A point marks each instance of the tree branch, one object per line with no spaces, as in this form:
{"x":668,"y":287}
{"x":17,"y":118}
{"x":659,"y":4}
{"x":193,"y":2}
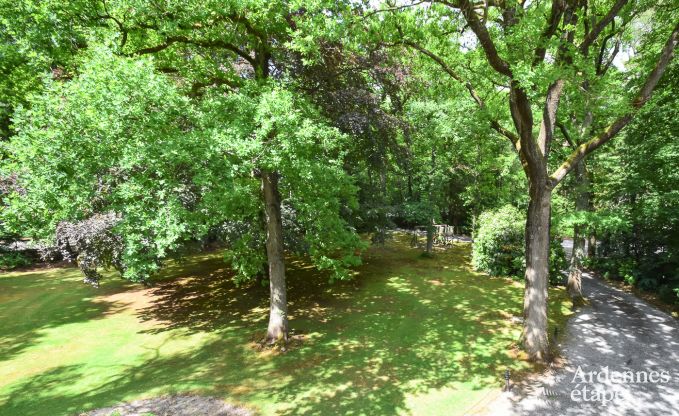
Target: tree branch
{"x":479,"y":29}
{"x":566,"y":134}
{"x":394,"y":8}
{"x":600,"y":25}
{"x":198,"y":86}
{"x":549,"y":116}
{"x":169,"y":41}
{"x":555,"y":89}
{"x":470,"y":88}
{"x":614,"y":128}
{"x":522,"y":115}
{"x":248,"y":26}
{"x":601,"y":70}
{"x":121,"y":27}
{"x":549,"y":30}
{"x":602,"y":51}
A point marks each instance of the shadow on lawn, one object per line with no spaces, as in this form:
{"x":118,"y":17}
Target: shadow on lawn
{"x":37,"y":300}
{"x":418,"y":333}
{"x":47,"y":393}
{"x":402,"y":327}
{"x":205,"y":298}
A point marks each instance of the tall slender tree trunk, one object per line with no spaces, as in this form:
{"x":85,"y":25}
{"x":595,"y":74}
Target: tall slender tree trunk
{"x":574,"y":284}
{"x":278,"y":314}
{"x":591,"y":245}
{"x":534,"y":335}
{"x":430,"y":240}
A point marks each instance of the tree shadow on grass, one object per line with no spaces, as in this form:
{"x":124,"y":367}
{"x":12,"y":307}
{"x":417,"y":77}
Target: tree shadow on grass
{"x":204,"y":298}
{"x":414,"y":334}
{"x":58,"y":391}
{"x":33,"y":301}
{"x":404,"y":327}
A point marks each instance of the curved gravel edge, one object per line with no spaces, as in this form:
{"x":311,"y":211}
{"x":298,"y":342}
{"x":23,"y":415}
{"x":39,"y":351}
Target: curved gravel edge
{"x":179,"y":405}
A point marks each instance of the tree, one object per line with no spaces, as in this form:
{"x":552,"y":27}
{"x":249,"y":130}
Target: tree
{"x":276,"y":131}
{"x":513,"y":41}
{"x":581,"y":110}
{"x":117,"y":143}
{"x":236,"y":41}
{"x":34,"y":39}
{"x":637,"y":202}
{"x":228,"y":57}
{"x":239,"y":43}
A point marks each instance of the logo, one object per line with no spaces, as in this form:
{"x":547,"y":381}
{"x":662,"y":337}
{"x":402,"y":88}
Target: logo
{"x":600,"y":386}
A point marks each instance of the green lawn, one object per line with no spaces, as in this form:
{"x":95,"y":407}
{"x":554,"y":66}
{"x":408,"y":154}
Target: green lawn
{"x":407,"y":335}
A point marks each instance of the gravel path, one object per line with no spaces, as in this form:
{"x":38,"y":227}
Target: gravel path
{"x":638,"y":344}
{"x":173,"y":406}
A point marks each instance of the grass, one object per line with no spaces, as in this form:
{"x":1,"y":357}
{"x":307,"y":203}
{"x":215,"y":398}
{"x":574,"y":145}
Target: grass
{"x":408,"y":335}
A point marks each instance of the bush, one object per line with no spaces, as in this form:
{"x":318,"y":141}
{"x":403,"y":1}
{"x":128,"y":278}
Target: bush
{"x":557,"y":262}
{"x":92,"y":243}
{"x":499,"y":243}
{"x":499,"y":246}
{"x":656,"y":272}
{"x":12,"y":260}
{"x":668,"y":295}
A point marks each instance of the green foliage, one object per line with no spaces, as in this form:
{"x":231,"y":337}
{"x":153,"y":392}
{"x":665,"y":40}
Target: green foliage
{"x":118,"y":138}
{"x":419,"y":213}
{"x":35,"y":37}
{"x":499,"y":246}
{"x":270,"y":128}
{"x":668,"y":294}
{"x":362,"y":136}
{"x":557,"y":261}
{"x":636,"y":190}
{"x":499,"y":242}
{"x":11,"y":260}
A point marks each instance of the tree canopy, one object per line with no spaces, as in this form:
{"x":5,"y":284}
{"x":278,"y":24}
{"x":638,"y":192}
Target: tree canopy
{"x":134,"y":130}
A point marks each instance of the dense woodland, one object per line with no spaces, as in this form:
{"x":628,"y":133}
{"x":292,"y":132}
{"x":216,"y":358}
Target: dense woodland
{"x":134,"y":132}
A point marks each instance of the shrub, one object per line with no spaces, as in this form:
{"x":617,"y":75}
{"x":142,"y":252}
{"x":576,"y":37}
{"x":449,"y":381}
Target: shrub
{"x":668,"y":295}
{"x":91,"y":243}
{"x":499,"y":246}
{"x":557,"y":262}
{"x":12,"y":260}
{"x":499,"y":243}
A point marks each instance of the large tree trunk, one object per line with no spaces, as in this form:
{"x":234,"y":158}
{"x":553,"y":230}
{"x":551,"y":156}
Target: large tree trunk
{"x":581,"y":205}
{"x":278,"y":314}
{"x":534,"y":335}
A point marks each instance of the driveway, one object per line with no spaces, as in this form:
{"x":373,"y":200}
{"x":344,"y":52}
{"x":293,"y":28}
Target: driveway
{"x":622,"y":358}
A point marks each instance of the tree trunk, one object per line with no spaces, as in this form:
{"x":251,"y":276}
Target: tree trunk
{"x":581,"y":205}
{"x":591,"y":245}
{"x":534,"y":335}
{"x":430,"y":240}
{"x":574,"y":284}
{"x":278,"y":314}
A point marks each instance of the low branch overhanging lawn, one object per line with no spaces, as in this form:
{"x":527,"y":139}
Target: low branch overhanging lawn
{"x":406,"y":335}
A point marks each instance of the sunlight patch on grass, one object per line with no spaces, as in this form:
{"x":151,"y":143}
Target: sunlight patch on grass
{"x":436,"y":402}
{"x":408,"y":335}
